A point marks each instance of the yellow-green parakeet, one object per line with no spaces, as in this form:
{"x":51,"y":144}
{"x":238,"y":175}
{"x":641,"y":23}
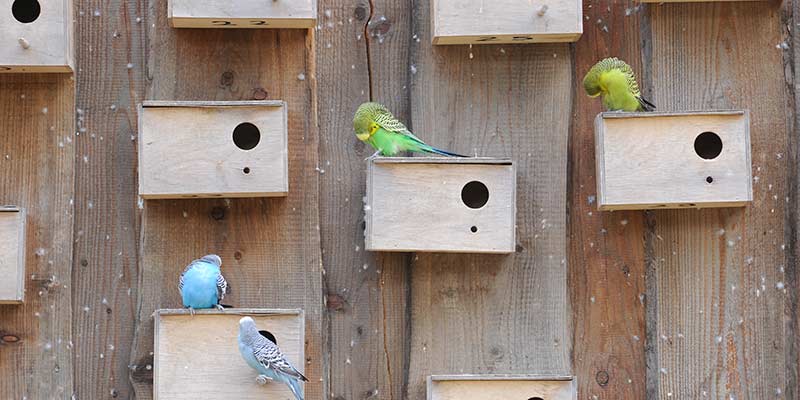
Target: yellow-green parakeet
{"x":614,"y":80}
{"x":374,"y":124}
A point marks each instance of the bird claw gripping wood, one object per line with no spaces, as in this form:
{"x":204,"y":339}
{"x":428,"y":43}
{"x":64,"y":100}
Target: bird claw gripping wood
{"x":263,"y":380}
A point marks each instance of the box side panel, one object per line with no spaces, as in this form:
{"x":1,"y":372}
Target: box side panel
{"x":187,"y":345}
{"x":187,"y":152}
{"x":404,"y":220}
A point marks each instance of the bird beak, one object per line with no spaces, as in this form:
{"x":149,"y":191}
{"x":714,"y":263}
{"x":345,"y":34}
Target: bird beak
{"x":362,"y":136}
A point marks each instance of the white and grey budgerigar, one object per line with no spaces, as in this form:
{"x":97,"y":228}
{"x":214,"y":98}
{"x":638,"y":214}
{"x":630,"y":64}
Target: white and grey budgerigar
{"x":202,"y":284}
{"x":265,"y":357}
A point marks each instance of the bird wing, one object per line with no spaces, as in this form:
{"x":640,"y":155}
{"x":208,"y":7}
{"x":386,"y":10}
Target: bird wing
{"x":270,"y":356}
{"x":222,"y":287}
{"x":388,"y":121}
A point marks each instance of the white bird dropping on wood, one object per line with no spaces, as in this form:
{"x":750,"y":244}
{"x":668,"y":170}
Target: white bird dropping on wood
{"x":542,"y":11}
{"x":24,"y":43}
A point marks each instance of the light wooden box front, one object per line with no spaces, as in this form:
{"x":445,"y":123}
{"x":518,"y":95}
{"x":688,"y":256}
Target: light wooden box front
{"x":506,"y":21}
{"x":648,"y":160}
{"x":243,"y":13}
{"x":197,"y":357}
{"x":12,"y":254}
{"x":501,"y":387}
{"x":415,"y":204}
{"x":48,"y":36}
{"x":186,"y":149}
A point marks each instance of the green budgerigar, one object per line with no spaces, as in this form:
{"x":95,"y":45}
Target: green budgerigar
{"x":613,"y":79}
{"x":375,"y":124}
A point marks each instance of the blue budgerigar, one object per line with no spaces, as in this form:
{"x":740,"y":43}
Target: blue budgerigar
{"x":202,"y":284}
{"x":264,"y":356}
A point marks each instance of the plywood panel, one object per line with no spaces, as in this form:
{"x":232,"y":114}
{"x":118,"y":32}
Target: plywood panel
{"x":36,"y":41}
{"x":486,"y":313}
{"x":506,"y":21}
{"x":719,"y":273}
{"x":269,"y":246}
{"x":36,"y":172}
{"x":213,"y":149}
{"x":699,"y":159}
{"x":606,"y":253}
{"x":186,"y":345}
{"x":242,"y":13}
{"x":12,"y":254}
{"x":395,"y":210}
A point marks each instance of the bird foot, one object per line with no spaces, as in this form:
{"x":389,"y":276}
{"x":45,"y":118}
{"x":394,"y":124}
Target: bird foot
{"x":263,"y":380}
{"x":191,"y":311}
{"x":373,"y":156}
{"x":220,"y":307}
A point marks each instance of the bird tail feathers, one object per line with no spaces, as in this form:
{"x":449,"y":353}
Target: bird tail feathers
{"x":434,"y":150}
{"x":295,"y":388}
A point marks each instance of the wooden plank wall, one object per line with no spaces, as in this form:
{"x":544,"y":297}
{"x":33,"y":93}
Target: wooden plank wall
{"x":657,"y":305}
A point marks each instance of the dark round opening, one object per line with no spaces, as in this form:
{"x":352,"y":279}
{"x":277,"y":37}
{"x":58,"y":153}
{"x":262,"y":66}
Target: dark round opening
{"x":709,"y":179}
{"x":473,"y":229}
{"x":26,"y":11}
{"x":269,"y":336}
{"x":708,"y":145}
{"x":246,"y":136}
{"x":475,"y":194}
{"x":246,"y":170}
{"x":536,"y":398}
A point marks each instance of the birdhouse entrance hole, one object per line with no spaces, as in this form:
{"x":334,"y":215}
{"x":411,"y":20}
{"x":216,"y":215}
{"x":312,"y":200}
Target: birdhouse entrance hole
{"x":708,"y":145}
{"x":269,"y":336}
{"x":246,"y":136}
{"x":26,"y":11}
{"x":475,"y":195}
{"x":536,"y":398}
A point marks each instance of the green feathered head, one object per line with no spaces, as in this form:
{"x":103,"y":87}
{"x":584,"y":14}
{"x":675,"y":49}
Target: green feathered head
{"x":365,"y":117}
{"x":593,"y":81}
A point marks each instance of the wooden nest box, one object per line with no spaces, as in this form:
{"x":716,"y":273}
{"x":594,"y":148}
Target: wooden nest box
{"x":435,"y":204}
{"x":506,"y":21}
{"x":252,"y":14}
{"x":213,"y":149}
{"x":501,"y":387}
{"x":197,"y":357}
{"x":12,"y":254}
{"x":673,"y":160}
{"x":36,"y":36}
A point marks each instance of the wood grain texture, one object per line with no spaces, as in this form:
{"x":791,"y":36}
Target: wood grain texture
{"x":651,"y":160}
{"x":197,"y":356}
{"x":191,"y":150}
{"x":43,"y":45}
{"x":791,"y":15}
{"x":398,"y":219}
{"x":270,"y":247}
{"x":12,"y":254}
{"x":367,"y":293}
{"x":242,"y":13}
{"x":720,"y":273}
{"x":500,"y":387}
{"x":606,"y":252}
{"x":505,"y":21}
{"x":484,"y":314}
{"x":110,"y":79}
{"x":36,"y":172}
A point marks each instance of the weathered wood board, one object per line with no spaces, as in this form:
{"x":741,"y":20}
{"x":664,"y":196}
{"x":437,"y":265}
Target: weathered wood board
{"x":501,"y":387}
{"x":37,"y":160}
{"x":186,"y":345}
{"x":37,"y":36}
{"x":253,"y":14}
{"x":718,"y":290}
{"x":12,"y":254}
{"x":506,"y":21}
{"x":469,"y":206}
{"x":269,"y":246}
{"x":213,"y":149}
{"x":484,"y":314}
{"x":673,"y":160}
